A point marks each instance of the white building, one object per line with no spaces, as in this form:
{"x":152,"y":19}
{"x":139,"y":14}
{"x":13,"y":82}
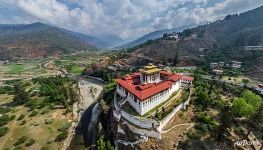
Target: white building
{"x":259,"y":88}
{"x":149,"y":88}
{"x":213,"y":65}
{"x":221,"y":64}
{"x":236,"y":64}
{"x":173,"y":36}
{"x":217,"y":71}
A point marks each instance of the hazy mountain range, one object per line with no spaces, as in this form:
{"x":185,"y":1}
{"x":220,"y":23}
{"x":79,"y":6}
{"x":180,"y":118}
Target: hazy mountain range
{"x":38,"y":39}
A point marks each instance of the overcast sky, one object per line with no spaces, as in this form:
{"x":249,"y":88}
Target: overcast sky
{"x":126,"y":19}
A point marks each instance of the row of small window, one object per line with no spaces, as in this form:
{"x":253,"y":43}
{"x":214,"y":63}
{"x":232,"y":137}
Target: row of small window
{"x":151,"y":77}
{"x":154,"y":98}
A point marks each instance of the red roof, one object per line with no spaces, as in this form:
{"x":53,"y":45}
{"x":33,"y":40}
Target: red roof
{"x":144,"y":91}
{"x":260,"y":85}
{"x":188,"y":78}
{"x":166,"y":73}
{"x":148,"y":90}
{"x":175,"y":77}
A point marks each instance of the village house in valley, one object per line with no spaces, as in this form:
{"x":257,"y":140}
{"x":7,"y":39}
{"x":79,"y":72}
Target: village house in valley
{"x":150,"y":87}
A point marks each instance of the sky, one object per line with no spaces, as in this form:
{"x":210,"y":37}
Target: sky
{"x":124,"y":19}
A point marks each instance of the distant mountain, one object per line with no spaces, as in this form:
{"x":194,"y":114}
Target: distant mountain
{"x":153,"y":35}
{"x":111,"y":40}
{"x":38,"y":40}
{"x":222,"y":40}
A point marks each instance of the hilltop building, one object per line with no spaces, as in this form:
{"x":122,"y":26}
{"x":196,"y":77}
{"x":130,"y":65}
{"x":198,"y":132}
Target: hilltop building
{"x":173,"y":36}
{"x":259,"y":88}
{"x":150,"y":87}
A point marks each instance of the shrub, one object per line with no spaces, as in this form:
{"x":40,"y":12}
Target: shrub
{"x":4,"y":110}
{"x":30,"y":142}
{"x":34,"y":113}
{"x":3,"y":131}
{"x":20,"y":141}
{"x":18,"y":148}
{"x":201,"y":127}
{"x":22,"y":116}
{"x":64,"y":127}
{"x":204,"y":118}
{"x":192,"y":135}
{"x":4,"y":120}
{"x":45,"y":110}
{"x":23,"y":122}
{"x":44,"y":148}
{"x":12,"y":117}
{"x":6,"y":89}
{"x":48,"y":121}
{"x":62,"y":136}
{"x":31,"y":103}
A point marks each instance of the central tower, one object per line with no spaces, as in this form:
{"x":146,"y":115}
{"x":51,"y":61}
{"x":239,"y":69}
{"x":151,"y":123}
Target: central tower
{"x":150,"y":74}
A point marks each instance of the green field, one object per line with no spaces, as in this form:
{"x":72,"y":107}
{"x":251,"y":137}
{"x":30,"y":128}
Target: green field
{"x":28,"y":67}
{"x":75,"y":64}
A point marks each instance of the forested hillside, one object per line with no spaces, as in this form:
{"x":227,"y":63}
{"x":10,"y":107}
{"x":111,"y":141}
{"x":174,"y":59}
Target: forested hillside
{"x":223,"y":40}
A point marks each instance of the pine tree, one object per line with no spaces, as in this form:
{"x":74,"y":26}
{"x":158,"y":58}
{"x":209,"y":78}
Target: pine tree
{"x":21,"y":96}
{"x":256,"y":119}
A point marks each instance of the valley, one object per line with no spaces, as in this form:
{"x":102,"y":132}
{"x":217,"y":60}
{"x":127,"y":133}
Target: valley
{"x":197,"y":86}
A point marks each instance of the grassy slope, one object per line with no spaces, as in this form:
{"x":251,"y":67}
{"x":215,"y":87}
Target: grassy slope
{"x":41,"y":133}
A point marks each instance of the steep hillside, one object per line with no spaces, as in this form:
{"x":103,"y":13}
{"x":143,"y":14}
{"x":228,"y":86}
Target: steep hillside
{"x":222,"y":40}
{"x":153,"y":35}
{"x":37,"y":40}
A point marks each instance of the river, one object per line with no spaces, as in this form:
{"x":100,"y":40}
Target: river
{"x":86,"y":130}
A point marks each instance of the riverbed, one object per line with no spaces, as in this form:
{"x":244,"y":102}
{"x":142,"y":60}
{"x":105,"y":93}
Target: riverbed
{"x":90,"y":91}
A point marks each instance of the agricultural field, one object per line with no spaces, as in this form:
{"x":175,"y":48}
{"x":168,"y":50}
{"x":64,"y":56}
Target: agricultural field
{"x":75,"y":64}
{"x":17,"y":67}
{"x":24,"y":69}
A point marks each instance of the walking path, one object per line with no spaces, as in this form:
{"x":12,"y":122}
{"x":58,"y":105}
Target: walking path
{"x":177,"y":125}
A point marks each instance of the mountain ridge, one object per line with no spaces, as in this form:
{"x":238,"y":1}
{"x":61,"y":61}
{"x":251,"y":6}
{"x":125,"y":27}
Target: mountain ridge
{"x":39,"y":40}
{"x":152,"y":35}
{"x":222,"y":40}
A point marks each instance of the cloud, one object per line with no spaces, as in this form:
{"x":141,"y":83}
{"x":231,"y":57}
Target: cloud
{"x":126,"y":19}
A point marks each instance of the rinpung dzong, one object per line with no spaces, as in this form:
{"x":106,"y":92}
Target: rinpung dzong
{"x":150,"y":87}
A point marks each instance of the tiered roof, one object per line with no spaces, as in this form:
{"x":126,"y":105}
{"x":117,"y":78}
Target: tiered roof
{"x":150,"y":69}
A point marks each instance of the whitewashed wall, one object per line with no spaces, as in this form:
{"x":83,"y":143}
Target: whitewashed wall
{"x":169,"y":117}
{"x":154,"y":101}
{"x":145,"y":123}
{"x":121,"y":91}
